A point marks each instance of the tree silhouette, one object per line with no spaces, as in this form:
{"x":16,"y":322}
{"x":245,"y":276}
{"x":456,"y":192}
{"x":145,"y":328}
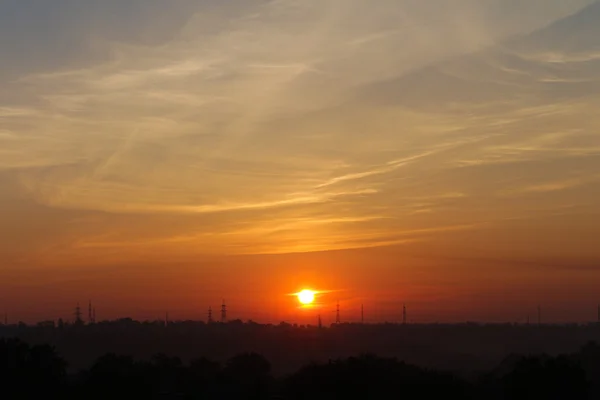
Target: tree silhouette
{"x":26,"y":371}
{"x":589,"y":359}
{"x":112,"y":374}
{"x":368,"y":377}
{"x":202,"y":378}
{"x":546,"y":378}
{"x":247,"y":376}
{"x":30,"y":372}
{"x":166,"y":374}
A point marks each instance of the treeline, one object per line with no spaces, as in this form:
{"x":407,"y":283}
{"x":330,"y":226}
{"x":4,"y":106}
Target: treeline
{"x":28,"y":372}
{"x":462,"y":348}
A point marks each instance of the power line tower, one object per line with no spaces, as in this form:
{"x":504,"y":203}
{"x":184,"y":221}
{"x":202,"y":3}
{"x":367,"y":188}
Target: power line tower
{"x":223,"y":312}
{"x":210,"y":318}
{"x":362,"y":313}
{"x":78,"y":319}
{"x":337,"y":314}
{"x":404,"y":314}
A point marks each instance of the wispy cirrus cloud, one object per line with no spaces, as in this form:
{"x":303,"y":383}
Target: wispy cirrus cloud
{"x":558,"y":185}
{"x":268,"y":108}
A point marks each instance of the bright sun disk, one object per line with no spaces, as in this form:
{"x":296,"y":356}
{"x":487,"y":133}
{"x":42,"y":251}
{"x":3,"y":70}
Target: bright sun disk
{"x":306,"y":296}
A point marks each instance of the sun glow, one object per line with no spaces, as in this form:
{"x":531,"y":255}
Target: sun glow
{"x":306,"y":297}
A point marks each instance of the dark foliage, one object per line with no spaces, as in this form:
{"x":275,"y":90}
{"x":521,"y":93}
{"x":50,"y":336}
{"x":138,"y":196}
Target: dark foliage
{"x":546,"y":378}
{"x":31,"y":372}
{"x":370,"y":377}
{"x":26,"y":371}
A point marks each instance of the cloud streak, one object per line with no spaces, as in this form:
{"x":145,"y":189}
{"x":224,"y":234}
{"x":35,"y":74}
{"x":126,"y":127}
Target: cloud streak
{"x":333,"y":124}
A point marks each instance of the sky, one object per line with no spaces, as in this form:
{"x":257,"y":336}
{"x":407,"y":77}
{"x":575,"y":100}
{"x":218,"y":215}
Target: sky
{"x":162,"y":157}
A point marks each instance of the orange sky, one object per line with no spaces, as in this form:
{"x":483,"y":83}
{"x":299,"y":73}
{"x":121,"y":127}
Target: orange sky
{"x":159,"y":158}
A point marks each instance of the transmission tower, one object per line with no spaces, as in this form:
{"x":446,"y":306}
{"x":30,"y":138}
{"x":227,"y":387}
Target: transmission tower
{"x":362,"y":313}
{"x":78,"y":319}
{"x":337,"y":314}
{"x":223,"y":312}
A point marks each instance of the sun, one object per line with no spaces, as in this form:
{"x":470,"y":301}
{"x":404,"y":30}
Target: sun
{"x":306,"y":297}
